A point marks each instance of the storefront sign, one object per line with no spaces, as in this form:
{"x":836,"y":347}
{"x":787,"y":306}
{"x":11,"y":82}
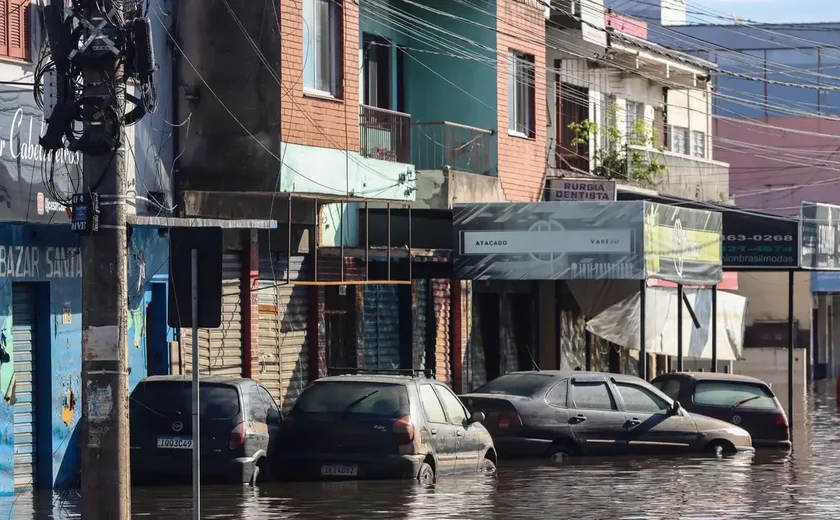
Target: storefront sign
{"x":759,"y":241}
{"x":549,"y":241}
{"x":580,"y":190}
{"x":683,"y":245}
{"x":820,"y":236}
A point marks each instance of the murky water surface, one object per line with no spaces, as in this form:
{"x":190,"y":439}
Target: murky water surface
{"x":768,"y":485}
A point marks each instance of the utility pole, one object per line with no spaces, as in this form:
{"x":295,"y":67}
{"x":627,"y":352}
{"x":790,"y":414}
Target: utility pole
{"x":105,"y":427}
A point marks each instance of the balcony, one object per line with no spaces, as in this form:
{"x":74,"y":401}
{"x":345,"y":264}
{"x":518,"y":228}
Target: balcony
{"x":441,"y":145}
{"x":384,"y":134}
{"x":689,"y":177}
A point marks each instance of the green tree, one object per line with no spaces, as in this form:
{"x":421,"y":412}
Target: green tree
{"x":618,"y":161}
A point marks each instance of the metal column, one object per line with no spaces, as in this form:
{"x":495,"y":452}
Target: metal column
{"x":680,"y":327}
{"x":642,"y":318}
{"x":714,"y":328}
{"x":790,"y":352}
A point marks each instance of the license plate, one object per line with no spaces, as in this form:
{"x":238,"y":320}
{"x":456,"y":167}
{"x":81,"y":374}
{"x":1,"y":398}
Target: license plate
{"x":340,"y":470}
{"x":175,"y":443}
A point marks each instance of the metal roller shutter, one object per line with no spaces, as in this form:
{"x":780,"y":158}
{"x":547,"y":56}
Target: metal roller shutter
{"x":284,"y":342}
{"x":220,"y":350}
{"x":420,"y":306}
{"x":441,"y":302}
{"x":23,"y":336}
{"x":382,"y":326}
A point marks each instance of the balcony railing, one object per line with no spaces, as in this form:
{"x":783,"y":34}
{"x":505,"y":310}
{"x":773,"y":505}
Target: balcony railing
{"x":460,"y":147}
{"x":686,"y":176}
{"x":384,"y":134}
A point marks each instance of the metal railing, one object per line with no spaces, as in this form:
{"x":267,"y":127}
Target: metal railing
{"x":443,"y":144}
{"x":384,"y":134}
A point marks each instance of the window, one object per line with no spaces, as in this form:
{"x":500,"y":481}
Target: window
{"x":731,"y":393}
{"x":457,"y":412}
{"x":521,"y":94}
{"x":679,"y":140}
{"x":322,"y":46}
{"x":356,"y":398}
{"x":698,"y":144}
{"x":273,"y":410}
{"x":669,"y":387}
{"x":557,"y":395}
{"x":641,"y":400}
{"x":257,"y":409}
{"x":15,"y":29}
{"x":376,"y":66}
{"x":635,"y":114}
{"x":524,"y":385}
{"x":592,"y":396}
{"x":175,"y":398}
{"x":431,"y":404}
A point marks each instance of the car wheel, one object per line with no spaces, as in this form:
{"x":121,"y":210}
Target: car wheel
{"x":720,"y":448}
{"x":426,"y":475}
{"x":488,"y":467}
{"x":559,"y":454}
{"x":255,"y":476}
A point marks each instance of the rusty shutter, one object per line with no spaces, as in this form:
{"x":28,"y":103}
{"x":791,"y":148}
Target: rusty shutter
{"x":441,"y":311}
{"x":220,"y":350}
{"x":283,"y":339}
{"x":420,"y":306}
{"x":382,"y":326}
{"x":17,"y":28}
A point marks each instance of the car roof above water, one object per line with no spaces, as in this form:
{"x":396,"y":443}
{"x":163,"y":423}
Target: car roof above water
{"x":213,"y":380}
{"x":715,"y":376}
{"x":371,"y":378}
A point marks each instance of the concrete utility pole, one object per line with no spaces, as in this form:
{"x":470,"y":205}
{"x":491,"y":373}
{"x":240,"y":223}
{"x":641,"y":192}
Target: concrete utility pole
{"x":105,"y":426}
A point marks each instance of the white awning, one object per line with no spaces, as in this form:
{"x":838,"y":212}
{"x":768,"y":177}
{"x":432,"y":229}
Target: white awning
{"x":619,"y":323}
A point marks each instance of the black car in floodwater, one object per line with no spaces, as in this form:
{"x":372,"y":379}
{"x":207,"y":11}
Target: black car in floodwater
{"x":382,"y":426}
{"x":742,"y":400}
{"x":239,"y":426}
{"x":561,"y":414}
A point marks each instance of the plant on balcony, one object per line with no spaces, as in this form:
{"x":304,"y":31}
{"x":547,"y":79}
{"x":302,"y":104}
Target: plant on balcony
{"x":617,"y":160}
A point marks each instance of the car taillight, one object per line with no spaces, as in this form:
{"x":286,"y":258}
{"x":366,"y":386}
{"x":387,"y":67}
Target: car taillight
{"x":237,"y":436}
{"x":781,"y":420}
{"x":509,"y":420}
{"x":403,"y":430}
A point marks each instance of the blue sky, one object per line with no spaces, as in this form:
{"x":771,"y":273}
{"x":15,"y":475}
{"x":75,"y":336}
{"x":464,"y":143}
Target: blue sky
{"x":770,"y":11}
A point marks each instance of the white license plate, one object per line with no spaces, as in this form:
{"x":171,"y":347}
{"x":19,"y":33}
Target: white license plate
{"x":175,"y":443}
{"x":340,"y":470}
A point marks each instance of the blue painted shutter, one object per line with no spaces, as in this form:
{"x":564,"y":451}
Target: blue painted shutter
{"x":23,"y":336}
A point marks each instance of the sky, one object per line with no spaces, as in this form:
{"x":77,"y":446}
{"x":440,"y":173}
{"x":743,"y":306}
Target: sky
{"x":769,"y":11}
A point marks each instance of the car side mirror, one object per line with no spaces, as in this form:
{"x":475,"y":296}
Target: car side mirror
{"x":676,"y":407}
{"x":476,"y":417}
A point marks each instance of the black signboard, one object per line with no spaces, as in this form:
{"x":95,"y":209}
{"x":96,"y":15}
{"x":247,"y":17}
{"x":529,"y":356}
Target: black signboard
{"x":208,"y":242}
{"x":820,"y":236}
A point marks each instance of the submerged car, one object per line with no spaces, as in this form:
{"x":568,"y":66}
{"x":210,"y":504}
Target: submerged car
{"x":742,"y":400}
{"x":239,"y":423}
{"x":382,"y":426}
{"x":562,"y":414}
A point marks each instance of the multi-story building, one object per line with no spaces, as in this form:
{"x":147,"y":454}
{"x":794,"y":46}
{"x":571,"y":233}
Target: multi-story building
{"x":40,"y":262}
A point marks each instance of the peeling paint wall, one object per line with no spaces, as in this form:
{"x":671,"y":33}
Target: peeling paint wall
{"x":49,"y":256}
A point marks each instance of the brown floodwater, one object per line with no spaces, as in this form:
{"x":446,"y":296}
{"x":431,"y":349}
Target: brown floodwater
{"x":803,"y":483}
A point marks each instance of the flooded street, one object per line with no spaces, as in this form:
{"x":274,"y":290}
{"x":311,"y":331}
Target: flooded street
{"x":802,"y":484}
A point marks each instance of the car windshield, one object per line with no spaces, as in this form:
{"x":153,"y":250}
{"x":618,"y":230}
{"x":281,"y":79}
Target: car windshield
{"x":734,"y":393}
{"x":174,"y":398}
{"x":524,"y":385}
{"x":354,"y":397}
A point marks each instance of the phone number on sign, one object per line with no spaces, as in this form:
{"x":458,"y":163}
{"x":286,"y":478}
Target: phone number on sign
{"x":758,"y":238}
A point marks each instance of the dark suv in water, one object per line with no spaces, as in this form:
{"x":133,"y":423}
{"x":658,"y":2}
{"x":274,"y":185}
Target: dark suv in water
{"x":239,"y":422}
{"x":382,"y":426}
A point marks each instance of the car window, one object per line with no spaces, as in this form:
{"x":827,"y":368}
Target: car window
{"x":524,"y":385}
{"x":175,"y":398}
{"x":431,"y":405}
{"x":557,"y":395}
{"x":641,"y":400}
{"x":456,"y":411}
{"x":669,"y":386}
{"x":592,"y":395}
{"x":354,"y":397}
{"x":271,"y":405}
{"x":257,"y":409}
{"x":730,"y":393}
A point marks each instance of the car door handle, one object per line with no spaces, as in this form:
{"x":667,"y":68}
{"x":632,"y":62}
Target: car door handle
{"x":577,"y":419}
{"x":459,"y":433}
{"x":633,"y":423}
{"x":434,"y":432}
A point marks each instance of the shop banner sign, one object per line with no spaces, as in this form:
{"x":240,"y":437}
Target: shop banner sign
{"x":549,"y":241}
{"x":818,"y":244}
{"x":759,"y":241}
{"x":580,"y":190}
{"x":683,"y":245}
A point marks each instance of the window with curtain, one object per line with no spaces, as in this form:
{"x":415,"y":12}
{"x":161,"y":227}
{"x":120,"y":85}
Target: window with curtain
{"x":322,"y":46}
{"x":521,"y":94}
{"x":698,"y":144}
{"x":679,"y":140}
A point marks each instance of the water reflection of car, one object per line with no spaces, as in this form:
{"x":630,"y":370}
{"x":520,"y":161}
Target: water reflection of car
{"x":382,"y":426}
{"x":561,"y":414}
{"x":239,"y":423}
{"x":737,"y":399}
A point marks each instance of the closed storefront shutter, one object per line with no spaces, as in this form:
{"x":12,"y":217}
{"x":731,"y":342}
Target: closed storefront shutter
{"x":23,"y":335}
{"x":220,"y":350}
{"x":420,"y":308}
{"x":283,"y":339}
{"x":381,"y":326}
{"x":441,"y":303}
